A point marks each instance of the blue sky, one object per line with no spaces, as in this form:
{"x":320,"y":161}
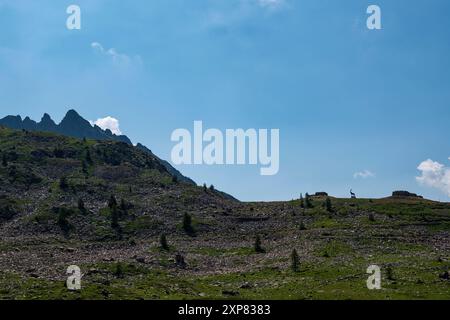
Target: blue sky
{"x":346,"y":99}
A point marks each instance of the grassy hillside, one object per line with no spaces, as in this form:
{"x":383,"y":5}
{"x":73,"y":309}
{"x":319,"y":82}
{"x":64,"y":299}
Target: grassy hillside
{"x":104,"y":205}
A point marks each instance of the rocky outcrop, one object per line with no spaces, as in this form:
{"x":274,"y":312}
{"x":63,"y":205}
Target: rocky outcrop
{"x":405,"y":194}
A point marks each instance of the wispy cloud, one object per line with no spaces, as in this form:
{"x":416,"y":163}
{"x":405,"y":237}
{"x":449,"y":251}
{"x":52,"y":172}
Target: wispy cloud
{"x":108,"y":123}
{"x":365,"y":174}
{"x":434,"y":175}
{"x":116,"y":57}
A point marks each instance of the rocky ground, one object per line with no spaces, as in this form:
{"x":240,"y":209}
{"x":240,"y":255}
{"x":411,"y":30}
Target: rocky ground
{"x":103,"y":206}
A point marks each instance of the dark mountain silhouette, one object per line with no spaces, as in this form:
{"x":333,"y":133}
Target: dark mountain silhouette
{"x":73,"y":125}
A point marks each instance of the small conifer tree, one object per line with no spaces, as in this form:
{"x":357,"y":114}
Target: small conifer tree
{"x":390,"y":273}
{"x":302,"y":226}
{"x":112,"y":202}
{"x":115,"y":221}
{"x":295,"y":261}
{"x":84,"y":168}
{"x":258,"y":245}
{"x":89,"y":157}
{"x":328,"y":205}
{"x":81,"y":206}
{"x":4,"y":160}
{"x":163,"y":242}
{"x":308,"y":203}
{"x":187,"y":223}
{"x":63,"y":183}
{"x":119,"y":272}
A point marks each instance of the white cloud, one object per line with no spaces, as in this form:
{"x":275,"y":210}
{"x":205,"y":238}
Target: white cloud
{"x":108,"y":123}
{"x":435,"y":175}
{"x":364,"y":174}
{"x":116,"y":57}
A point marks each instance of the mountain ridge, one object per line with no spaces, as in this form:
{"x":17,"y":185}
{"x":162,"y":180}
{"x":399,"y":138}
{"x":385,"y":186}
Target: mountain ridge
{"x":74,"y":125}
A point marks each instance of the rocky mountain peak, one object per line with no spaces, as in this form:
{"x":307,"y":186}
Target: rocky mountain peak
{"x":74,"y":125}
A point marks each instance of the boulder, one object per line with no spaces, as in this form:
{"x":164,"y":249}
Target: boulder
{"x":321,"y":194}
{"x":405,"y":194}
